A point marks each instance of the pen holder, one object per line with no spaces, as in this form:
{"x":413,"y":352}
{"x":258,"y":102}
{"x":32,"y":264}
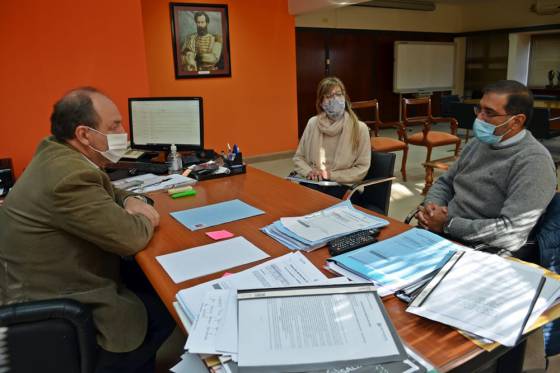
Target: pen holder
{"x":238,"y":160}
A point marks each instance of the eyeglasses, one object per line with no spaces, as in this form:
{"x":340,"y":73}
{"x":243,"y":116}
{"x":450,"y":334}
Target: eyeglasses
{"x":332,"y":95}
{"x":488,"y":114}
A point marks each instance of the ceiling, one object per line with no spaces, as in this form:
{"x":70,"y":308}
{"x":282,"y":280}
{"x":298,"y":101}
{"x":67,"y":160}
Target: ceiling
{"x":297,"y":7}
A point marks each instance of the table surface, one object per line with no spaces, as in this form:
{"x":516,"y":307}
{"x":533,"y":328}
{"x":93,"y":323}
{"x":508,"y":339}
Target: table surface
{"x":440,"y":344}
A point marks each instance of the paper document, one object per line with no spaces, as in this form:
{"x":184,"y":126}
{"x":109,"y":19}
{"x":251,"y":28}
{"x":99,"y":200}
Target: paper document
{"x":203,"y":260}
{"x":327,"y":223}
{"x":218,"y":213}
{"x":150,"y":183}
{"x":299,"y":179}
{"x":294,"y":330}
{"x":482,"y":294}
{"x":190,"y":363}
{"x":400,"y":260}
{"x":288,"y":270}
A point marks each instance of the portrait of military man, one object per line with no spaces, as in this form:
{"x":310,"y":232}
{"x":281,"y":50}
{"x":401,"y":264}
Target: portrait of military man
{"x":201,"y":45}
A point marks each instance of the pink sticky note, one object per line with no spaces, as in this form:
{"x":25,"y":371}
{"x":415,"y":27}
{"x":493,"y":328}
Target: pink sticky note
{"x":219,"y":235}
{"x":226,"y":274}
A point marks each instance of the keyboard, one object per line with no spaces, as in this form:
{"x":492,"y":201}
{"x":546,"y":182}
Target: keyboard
{"x":352,"y":241}
{"x":138,"y":168}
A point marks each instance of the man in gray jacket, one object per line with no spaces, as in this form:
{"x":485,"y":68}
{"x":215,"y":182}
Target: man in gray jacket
{"x":499,"y":187}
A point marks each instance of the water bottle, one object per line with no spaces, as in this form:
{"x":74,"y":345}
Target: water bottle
{"x":174,"y":161}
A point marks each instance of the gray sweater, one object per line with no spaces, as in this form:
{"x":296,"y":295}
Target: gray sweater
{"x":495,"y":195}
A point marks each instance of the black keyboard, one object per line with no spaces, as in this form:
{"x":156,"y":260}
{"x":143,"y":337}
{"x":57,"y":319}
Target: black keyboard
{"x":352,"y":241}
{"x":138,"y":168}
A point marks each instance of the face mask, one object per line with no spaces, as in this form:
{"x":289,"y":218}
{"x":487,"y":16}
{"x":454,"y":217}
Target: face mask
{"x":117,"y":145}
{"x":334,"y":107}
{"x":485,"y":131}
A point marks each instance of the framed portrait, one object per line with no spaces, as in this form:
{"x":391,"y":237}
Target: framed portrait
{"x":200,"y":40}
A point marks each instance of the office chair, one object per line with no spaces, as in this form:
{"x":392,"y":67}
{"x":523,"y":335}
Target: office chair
{"x":376,"y":193}
{"x":426,"y":137}
{"x":540,"y":124}
{"x":379,"y":143}
{"x":464,"y":114}
{"x":445,"y":104}
{"x":50,"y":336}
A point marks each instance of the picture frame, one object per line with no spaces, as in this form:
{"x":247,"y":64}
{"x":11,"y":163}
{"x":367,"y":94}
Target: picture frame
{"x":200,"y":39}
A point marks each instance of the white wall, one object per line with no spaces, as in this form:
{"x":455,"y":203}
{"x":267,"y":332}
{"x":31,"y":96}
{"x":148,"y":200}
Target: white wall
{"x":518,"y":57}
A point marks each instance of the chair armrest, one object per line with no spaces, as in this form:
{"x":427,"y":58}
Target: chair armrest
{"x":411,"y":215}
{"x":72,"y":311}
{"x":452,"y":122}
{"x":366,"y":183}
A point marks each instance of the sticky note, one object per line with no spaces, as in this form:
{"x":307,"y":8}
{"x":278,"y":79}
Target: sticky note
{"x":219,"y":235}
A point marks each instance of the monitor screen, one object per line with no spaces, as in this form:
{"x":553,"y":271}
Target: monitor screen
{"x":158,"y":122}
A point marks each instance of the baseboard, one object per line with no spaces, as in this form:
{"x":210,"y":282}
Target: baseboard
{"x":269,"y":157}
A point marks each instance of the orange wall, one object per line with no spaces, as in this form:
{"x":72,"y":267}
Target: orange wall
{"x":49,"y":47}
{"x":256,"y":106}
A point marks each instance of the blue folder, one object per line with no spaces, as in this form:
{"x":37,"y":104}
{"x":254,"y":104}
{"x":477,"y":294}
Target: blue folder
{"x":218,"y":213}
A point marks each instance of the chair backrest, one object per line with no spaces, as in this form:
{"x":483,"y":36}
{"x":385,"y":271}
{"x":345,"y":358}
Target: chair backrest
{"x":539,"y":123}
{"x":55,"y":335}
{"x":464,"y":113}
{"x":377,"y":197}
{"x":446,"y":101}
{"x":411,"y":106}
{"x":369,"y":104}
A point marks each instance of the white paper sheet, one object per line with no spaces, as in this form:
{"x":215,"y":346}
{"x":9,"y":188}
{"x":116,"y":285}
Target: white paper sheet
{"x":190,"y":363}
{"x":288,"y":270}
{"x":203,"y":260}
{"x":485,"y":295}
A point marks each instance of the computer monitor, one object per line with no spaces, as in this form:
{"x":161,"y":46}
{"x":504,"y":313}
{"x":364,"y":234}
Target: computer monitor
{"x":158,"y":122}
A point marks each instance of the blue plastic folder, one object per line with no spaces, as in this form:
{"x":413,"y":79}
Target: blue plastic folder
{"x":405,"y":258}
{"x":218,"y":213}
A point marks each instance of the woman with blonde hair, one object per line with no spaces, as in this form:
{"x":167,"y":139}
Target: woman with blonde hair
{"x":335,"y":145}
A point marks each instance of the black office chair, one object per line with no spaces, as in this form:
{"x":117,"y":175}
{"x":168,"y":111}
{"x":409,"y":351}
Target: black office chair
{"x":464,"y":114}
{"x":376,"y":194}
{"x":539,"y":124}
{"x":445,"y":104}
{"x":50,"y":336}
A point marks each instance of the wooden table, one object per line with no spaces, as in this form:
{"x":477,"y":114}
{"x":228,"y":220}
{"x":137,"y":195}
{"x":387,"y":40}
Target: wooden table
{"x":438,"y":343}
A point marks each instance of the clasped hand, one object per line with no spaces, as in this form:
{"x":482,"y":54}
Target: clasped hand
{"x":134,"y":206}
{"x":432,"y":217}
{"x":318,"y":175}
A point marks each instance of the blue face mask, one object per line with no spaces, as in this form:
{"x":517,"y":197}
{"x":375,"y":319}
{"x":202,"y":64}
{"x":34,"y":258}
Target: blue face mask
{"x":485,"y":131}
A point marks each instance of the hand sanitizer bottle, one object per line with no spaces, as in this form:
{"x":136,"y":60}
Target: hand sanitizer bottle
{"x":174,"y":161}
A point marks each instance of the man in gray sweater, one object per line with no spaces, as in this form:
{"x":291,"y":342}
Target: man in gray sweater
{"x":501,"y":184}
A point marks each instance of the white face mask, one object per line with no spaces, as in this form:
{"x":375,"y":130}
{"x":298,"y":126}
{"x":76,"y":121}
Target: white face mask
{"x":117,"y":145}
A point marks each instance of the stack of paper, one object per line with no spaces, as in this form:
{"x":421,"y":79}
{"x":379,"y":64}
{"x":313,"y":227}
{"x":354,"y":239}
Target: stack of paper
{"x":396,"y":262}
{"x":312,"y":231}
{"x":150,"y":183}
{"x":486,"y":295}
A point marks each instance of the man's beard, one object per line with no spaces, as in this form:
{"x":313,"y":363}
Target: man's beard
{"x":202,"y":31}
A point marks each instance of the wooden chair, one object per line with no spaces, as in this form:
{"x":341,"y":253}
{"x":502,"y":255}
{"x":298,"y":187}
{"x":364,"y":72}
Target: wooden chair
{"x":427,"y":138}
{"x":379,"y":143}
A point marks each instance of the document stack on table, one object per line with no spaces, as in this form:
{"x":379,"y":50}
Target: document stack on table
{"x":312,"y":231}
{"x":488,"y":296}
{"x":410,"y":258}
{"x":150,"y":183}
{"x":323,"y":327}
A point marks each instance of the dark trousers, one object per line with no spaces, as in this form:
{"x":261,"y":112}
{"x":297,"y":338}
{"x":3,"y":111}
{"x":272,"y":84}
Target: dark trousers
{"x":160,"y":326}
{"x":335,"y":191}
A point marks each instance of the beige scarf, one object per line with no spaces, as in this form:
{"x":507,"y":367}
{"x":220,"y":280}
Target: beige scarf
{"x":344,"y":157}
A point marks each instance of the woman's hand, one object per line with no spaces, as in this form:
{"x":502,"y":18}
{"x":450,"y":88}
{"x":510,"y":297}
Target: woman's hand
{"x":318,"y":175}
